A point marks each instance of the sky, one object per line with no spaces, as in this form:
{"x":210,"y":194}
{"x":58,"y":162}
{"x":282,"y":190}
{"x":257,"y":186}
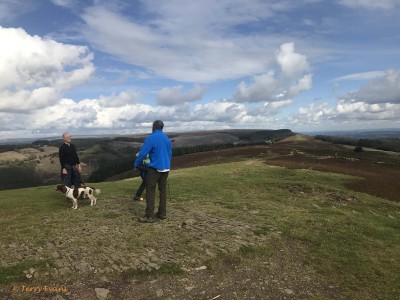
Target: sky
{"x":100,"y":67}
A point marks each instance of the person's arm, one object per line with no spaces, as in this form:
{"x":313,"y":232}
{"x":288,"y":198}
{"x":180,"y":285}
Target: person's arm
{"x":78,"y":163}
{"x":61,"y":155}
{"x":146,"y":148}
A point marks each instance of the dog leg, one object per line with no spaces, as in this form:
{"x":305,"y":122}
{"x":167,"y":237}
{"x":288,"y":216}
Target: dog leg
{"x":75,"y":204}
{"x":93,"y":200}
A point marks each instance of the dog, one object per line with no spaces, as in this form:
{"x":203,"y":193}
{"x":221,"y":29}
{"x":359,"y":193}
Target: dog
{"x":78,"y":193}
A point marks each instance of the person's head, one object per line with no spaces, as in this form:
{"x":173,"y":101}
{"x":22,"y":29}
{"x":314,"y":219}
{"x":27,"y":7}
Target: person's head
{"x":66,"y":137}
{"x":158,"y":125}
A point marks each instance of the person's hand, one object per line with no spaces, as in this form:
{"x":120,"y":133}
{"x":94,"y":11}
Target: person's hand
{"x":79,"y":168}
{"x":135,"y":170}
{"x":64,"y":171}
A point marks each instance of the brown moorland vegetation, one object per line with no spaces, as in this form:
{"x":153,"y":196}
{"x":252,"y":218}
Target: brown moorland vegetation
{"x":379,"y":171}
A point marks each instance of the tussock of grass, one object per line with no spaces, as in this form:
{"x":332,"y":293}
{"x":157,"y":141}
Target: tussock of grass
{"x":17,"y":272}
{"x":170,"y":268}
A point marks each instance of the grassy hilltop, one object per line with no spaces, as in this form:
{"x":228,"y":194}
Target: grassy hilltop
{"x":235,"y":230}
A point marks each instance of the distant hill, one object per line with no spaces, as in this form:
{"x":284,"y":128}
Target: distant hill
{"x":379,"y":143}
{"x":366,"y":134}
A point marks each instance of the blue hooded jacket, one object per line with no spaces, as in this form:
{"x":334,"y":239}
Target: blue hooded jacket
{"x":159,"y":148}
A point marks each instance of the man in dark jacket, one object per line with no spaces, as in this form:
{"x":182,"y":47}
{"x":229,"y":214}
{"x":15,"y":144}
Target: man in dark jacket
{"x":70,"y":164}
{"x":159,"y":148}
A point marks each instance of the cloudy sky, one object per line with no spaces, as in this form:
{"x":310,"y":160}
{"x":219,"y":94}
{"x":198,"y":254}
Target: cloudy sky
{"x":113,"y":67}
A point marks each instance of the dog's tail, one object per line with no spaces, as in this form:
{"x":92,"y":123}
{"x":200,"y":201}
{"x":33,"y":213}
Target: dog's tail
{"x":97,"y":191}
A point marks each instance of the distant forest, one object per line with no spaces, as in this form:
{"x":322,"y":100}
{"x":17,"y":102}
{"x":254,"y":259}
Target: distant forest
{"x":385,"y":144}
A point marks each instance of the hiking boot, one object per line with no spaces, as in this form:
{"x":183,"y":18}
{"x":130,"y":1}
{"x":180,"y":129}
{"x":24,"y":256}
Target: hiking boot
{"x":146,"y":219}
{"x":160,"y":216}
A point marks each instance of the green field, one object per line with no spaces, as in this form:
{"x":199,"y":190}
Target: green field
{"x":301,"y":231}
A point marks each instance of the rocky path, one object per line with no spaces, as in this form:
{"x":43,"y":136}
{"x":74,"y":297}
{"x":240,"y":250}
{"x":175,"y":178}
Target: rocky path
{"x":191,"y":255}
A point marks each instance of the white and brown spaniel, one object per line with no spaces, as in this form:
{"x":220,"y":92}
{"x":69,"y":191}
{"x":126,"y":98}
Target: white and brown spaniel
{"x":78,"y":193}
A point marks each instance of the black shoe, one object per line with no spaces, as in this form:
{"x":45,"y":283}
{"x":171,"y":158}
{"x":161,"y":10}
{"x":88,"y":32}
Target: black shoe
{"x":136,"y":198}
{"x":160,"y":216}
{"x":146,"y":219}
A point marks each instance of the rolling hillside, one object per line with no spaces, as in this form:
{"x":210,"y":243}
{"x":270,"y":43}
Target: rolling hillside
{"x":37,"y":163}
{"x":239,"y":227}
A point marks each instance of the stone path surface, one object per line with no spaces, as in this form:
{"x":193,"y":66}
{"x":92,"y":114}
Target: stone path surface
{"x":106,"y":259}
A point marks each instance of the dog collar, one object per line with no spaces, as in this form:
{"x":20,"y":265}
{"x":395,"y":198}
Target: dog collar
{"x":68,"y":189}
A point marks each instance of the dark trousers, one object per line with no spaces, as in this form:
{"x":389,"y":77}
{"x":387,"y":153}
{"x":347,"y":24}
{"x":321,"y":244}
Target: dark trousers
{"x":72,"y":177}
{"x":152,"y":179}
{"x":142,"y":186}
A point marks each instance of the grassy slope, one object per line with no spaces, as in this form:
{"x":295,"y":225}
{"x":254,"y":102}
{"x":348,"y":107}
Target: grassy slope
{"x":352,"y":239}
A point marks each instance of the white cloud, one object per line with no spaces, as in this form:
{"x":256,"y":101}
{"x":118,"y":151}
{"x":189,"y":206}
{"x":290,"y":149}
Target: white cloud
{"x":124,"y":97}
{"x":273,"y":86}
{"x":202,"y":47}
{"x":268,"y":109}
{"x":90,"y":117}
{"x":384,"y":89}
{"x":65,"y":3}
{"x":181,"y":17}
{"x":361,"y":76}
{"x":292,"y":64}
{"x":151,"y":48}
{"x":303,"y":84}
{"x":263,"y":88}
{"x":35,"y":72}
{"x":175,"y":95}
{"x":366,"y":111}
{"x":308,"y":22}
{"x":345,"y":116}
{"x":370,"y":4}
{"x":315,"y":113}
{"x":220,"y":111}
{"x":9,"y":9}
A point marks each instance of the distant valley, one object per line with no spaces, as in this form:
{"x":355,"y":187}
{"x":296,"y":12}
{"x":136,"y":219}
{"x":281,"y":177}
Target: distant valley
{"x":37,"y":163}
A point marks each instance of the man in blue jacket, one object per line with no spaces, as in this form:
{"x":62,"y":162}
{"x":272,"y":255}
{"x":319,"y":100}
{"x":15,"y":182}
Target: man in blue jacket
{"x":158,"y":146}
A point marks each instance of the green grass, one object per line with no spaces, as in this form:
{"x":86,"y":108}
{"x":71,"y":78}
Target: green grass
{"x":347,"y":242}
{"x":170,"y":268}
{"x":352,"y":239}
{"x":16,"y":273}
